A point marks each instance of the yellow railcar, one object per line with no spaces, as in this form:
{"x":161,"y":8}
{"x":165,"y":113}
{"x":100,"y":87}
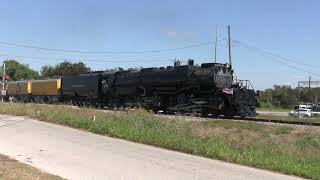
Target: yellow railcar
{"x":19,"y":88}
{"x":50,"y":87}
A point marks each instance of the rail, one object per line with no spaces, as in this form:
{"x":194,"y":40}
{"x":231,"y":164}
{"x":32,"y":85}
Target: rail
{"x":277,"y":121}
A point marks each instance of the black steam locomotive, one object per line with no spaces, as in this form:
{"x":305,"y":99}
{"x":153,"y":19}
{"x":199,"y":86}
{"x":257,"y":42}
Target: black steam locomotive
{"x":208,"y":89}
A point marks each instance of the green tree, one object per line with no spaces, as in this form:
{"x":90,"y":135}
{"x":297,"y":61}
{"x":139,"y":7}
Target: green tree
{"x":65,"y":68}
{"x":278,"y":96}
{"x":287,"y":97}
{"x":18,"y":71}
{"x":309,"y":96}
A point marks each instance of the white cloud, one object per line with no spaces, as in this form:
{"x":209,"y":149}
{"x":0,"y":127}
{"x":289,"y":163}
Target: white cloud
{"x":176,"y":34}
{"x":172,"y":34}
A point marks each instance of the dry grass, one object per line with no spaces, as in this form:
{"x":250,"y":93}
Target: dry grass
{"x":13,"y":170}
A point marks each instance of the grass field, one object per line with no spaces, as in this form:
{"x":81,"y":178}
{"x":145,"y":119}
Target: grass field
{"x":287,"y":149}
{"x":13,"y":170}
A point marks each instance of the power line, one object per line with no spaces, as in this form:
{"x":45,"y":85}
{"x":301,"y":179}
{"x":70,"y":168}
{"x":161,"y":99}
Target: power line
{"x":107,"y":52}
{"x":294,"y":67}
{"x":274,"y":55}
{"x":98,"y":60}
{"x":85,"y":60}
{"x":279,"y":61}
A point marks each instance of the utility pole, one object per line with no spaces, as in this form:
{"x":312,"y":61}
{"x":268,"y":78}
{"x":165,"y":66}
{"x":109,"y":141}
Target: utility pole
{"x":299,"y":99}
{"x":3,"y":80}
{"x":229,"y":45}
{"x":309,"y":88}
{"x":215,"y":45}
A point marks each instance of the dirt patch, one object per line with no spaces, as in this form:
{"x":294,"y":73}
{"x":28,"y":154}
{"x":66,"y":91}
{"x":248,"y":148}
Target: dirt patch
{"x":14,"y":170}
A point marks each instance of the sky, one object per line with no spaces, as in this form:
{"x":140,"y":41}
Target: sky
{"x":288,"y":28}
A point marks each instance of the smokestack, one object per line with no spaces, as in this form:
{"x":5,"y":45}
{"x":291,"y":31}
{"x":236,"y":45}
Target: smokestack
{"x":176,"y":63}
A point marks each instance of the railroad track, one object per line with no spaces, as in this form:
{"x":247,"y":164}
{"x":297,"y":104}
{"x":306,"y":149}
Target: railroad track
{"x":265,"y":120}
{"x":305,"y":123}
{"x":277,"y":121}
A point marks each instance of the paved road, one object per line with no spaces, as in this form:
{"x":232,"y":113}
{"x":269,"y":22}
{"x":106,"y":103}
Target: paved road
{"x":273,"y":113}
{"x":75,"y":154}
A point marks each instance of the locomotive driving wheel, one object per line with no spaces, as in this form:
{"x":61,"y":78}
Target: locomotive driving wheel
{"x":155,"y":101}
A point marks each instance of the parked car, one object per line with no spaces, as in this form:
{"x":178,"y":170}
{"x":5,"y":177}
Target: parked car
{"x":316,"y":111}
{"x":301,"y":113}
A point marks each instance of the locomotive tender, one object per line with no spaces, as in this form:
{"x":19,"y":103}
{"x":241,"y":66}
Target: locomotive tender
{"x":206,"y":89}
